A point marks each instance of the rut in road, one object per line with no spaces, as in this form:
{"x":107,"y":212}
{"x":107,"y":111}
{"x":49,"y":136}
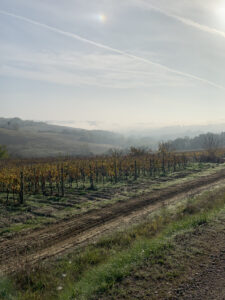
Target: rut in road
{"x":58,"y":238}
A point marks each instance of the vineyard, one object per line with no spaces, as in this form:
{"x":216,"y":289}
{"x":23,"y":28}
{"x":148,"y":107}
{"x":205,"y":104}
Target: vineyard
{"x":49,"y":206}
{"x":57,"y":177}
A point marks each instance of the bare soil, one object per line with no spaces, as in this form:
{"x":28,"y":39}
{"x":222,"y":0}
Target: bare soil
{"x":60,"y":238}
{"x":209,"y":282}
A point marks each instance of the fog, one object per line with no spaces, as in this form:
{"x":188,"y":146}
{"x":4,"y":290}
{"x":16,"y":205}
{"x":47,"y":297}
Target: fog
{"x":113,"y":65}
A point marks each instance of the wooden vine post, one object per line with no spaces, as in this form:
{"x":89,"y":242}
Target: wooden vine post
{"x":62,"y":181}
{"x":21,"y":193}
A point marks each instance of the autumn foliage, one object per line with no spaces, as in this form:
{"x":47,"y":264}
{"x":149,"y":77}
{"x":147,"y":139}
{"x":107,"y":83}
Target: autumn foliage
{"x":58,"y":176}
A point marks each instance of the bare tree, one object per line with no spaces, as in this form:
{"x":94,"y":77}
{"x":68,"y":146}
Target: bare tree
{"x":165,"y":147}
{"x":138,"y":151}
{"x":211,"y":143}
{"x":116,"y":153}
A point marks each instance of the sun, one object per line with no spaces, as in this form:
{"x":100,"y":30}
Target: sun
{"x":102,"y":18}
{"x":220,"y":10}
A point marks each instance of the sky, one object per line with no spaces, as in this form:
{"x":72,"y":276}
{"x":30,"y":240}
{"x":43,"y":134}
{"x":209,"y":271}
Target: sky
{"x":113,"y":64}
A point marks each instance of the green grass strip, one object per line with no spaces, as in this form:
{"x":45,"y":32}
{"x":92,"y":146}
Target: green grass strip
{"x":102,"y":278}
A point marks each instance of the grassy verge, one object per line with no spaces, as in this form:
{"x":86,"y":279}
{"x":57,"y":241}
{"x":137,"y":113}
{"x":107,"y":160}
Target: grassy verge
{"x":94,"y":270}
{"x":101,"y":279}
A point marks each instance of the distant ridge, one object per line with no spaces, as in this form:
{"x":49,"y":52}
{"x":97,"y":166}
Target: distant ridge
{"x":24,"y":138}
{"x":39,"y":139}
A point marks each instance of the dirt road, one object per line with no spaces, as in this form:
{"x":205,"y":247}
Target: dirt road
{"x":57,"y":239}
{"x":208,"y":284}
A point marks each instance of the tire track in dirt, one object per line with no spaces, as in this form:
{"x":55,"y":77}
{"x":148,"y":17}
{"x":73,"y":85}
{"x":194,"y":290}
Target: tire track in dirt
{"x":60,"y":238}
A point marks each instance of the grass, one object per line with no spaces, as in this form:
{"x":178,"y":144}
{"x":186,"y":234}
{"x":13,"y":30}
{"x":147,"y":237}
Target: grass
{"x":32,"y":223}
{"x":6,"y":289}
{"x":102,"y":278}
{"x":91,"y":271}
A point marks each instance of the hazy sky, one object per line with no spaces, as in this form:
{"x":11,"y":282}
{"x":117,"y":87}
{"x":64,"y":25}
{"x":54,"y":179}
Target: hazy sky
{"x":107,"y":63}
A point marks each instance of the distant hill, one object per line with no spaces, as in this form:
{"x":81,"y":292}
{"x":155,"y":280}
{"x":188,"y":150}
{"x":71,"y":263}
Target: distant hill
{"x":39,"y":139}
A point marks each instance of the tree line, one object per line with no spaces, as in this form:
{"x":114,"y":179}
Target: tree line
{"x":206,"y":141}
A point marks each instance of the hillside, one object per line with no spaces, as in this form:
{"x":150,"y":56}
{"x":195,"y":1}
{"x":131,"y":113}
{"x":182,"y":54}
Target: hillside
{"x":39,"y":139}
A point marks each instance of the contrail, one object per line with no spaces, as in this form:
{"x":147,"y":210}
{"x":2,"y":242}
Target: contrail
{"x":186,"y":21}
{"x":103,"y":46}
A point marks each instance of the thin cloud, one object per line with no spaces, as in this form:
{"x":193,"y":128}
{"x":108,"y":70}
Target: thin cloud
{"x":67,"y":68}
{"x":108,"y":48}
{"x":186,"y":21}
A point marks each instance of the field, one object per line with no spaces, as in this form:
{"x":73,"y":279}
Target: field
{"x":53,"y":210}
{"x":33,"y":192}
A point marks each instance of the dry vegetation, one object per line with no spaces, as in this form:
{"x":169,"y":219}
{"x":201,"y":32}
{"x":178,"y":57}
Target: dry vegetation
{"x":130,"y":182}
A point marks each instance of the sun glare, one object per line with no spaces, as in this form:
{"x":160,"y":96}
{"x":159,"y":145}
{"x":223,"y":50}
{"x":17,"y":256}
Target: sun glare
{"x":102,"y":18}
{"x":220,"y":10}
